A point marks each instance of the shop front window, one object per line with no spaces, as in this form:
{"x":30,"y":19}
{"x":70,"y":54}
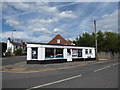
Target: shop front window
{"x":59,"y":53}
{"x":34,"y":53}
{"x":49,"y":52}
{"x":74,"y":53}
{"x":53,"y":53}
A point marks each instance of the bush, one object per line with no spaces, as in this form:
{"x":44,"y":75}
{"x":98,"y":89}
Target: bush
{"x":8,"y":53}
{"x":18,"y":52}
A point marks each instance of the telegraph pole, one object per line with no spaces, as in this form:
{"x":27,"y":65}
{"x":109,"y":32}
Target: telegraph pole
{"x":96,"y":50}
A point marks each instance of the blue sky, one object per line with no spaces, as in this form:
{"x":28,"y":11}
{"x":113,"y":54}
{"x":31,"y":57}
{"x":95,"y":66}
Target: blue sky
{"x":40,"y":22}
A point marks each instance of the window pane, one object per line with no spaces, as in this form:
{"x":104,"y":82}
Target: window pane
{"x":53,"y":53}
{"x":79,"y":52}
{"x":86,"y":51}
{"x":58,"y":40}
{"x":49,"y":52}
{"x":34,"y":53}
{"x":90,"y":51}
{"x":74,"y":53}
{"x":59,"y":52}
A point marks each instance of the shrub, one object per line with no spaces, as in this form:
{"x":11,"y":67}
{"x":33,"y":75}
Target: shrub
{"x":8,"y":53}
{"x":18,"y":52}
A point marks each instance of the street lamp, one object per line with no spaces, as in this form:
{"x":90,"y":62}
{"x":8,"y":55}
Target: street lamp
{"x":12,"y":34}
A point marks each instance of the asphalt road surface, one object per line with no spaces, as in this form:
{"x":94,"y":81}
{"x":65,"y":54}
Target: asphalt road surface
{"x":99,"y":75}
{"x":12,"y":60}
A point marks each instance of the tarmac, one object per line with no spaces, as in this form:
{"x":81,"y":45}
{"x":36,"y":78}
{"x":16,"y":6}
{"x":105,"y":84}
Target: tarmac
{"x":23,"y":67}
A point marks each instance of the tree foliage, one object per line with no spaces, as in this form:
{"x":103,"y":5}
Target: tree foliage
{"x":107,"y":41}
{"x":18,"y":52}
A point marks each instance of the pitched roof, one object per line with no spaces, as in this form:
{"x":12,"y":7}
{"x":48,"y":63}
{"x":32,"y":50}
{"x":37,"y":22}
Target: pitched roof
{"x":62,"y":40}
{"x":18,"y":44}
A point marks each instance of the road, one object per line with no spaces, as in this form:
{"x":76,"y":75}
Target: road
{"x":102,"y":74}
{"x":12,"y":60}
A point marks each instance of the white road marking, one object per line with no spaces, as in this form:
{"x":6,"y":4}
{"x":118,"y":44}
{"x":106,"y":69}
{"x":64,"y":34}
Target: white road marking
{"x":102,"y":68}
{"x":115,"y":64}
{"x":55,"y":82}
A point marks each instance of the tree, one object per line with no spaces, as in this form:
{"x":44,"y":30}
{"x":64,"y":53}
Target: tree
{"x":85,"y":40}
{"x":111,"y":40}
{"x":107,"y":41}
{"x":100,"y":40}
{"x":18,"y":52}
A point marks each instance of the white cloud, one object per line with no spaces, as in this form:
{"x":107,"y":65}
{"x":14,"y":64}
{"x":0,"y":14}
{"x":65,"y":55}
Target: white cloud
{"x":38,"y":19}
{"x":36,"y":26}
{"x":42,"y":8}
{"x":109,"y":22}
{"x":41,"y":30}
{"x":18,"y":24}
{"x":25,"y":36}
{"x":43,"y":21}
{"x":66,"y":15}
{"x":20,"y":6}
{"x":12,"y":22}
{"x":57,"y":30}
{"x":49,"y":10}
{"x":25,"y":8}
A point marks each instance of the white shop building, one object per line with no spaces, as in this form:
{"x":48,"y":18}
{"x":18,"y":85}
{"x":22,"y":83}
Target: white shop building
{"x":41,"y":52}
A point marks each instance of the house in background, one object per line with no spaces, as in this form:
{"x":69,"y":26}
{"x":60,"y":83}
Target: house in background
{"x":13,"y":46}
{"x":3,"y":46}
{"x":58,"y":39}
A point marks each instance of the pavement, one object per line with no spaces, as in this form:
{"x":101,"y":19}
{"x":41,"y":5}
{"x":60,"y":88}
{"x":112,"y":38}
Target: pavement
{"x":20,"y":66}
{"x":80,"y":74}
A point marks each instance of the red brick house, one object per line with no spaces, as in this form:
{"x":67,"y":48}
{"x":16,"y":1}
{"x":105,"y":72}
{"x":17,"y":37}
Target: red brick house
{"x":58,"y":39}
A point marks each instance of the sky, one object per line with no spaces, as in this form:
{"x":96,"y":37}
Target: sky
{"x":41,"y":21}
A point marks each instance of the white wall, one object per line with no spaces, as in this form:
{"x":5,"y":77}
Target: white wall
{"x":41,"y":51}
{"x":83,"y":53}
{"x":92,"y":55}
{"x":65,"y":53}
{"x":10,"y":46}
{"x":29,"y":53}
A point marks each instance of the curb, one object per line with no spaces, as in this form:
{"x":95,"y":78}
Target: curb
{"x":108,"y":59}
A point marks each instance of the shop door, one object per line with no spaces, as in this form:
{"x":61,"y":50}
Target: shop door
{"x":69,"y":56}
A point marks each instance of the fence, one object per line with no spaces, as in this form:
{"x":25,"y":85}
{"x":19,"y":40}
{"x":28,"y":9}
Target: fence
{"x":108,"y":55}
